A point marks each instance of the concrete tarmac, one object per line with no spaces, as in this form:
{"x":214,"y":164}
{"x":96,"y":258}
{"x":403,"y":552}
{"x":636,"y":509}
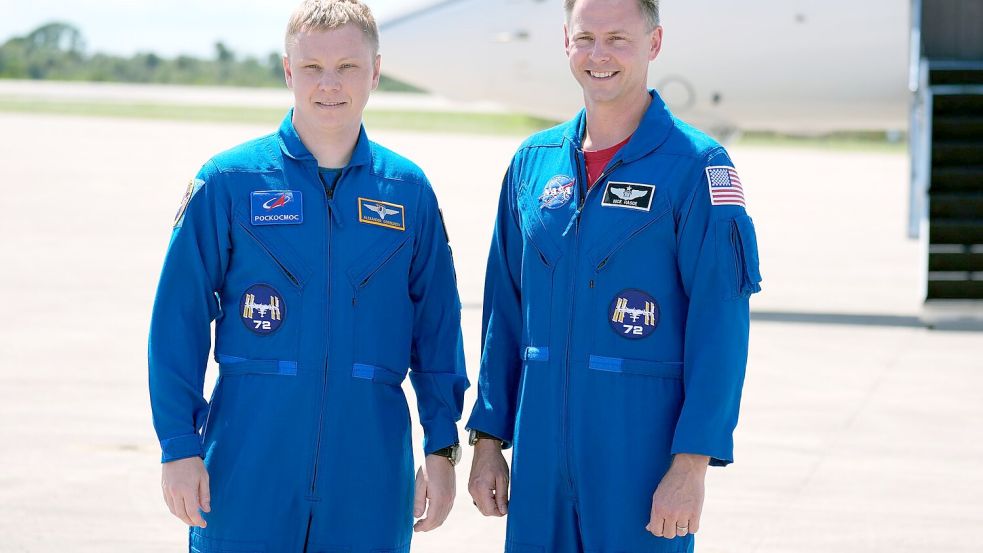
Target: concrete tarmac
{"x":860,"y":430}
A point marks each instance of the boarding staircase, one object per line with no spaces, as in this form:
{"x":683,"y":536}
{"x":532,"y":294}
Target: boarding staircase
{"x":947,"y":157}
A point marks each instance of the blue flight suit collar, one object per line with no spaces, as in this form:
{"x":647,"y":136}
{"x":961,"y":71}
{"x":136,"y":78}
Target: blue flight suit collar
{"x":655,"y":124}
{"x":294,"y":148}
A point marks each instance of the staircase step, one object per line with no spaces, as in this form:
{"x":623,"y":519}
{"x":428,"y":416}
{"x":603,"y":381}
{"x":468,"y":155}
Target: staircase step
{"x":964,"y":178}
{"x":957,"y":104}
{"x":955,"y":262}
{"x":954,"y":289}
{"x":956,"y":206}
{"x":962,"y":152}
{"x":955,"y":231}
{"x":955,"y":76}
{"x":951,"y":127}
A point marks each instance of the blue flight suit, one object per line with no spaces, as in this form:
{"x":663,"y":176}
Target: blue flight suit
{"x":615,"y":329}
{"x":322,"y":295}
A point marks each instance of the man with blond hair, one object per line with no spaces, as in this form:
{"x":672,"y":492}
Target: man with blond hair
{"x":615,"y":314}
{"x":322,"y":258}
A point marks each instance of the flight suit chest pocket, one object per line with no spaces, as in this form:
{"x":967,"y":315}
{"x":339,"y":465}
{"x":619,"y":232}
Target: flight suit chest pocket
{"x":382,"y":310}
{"x":537,"y":279}
{"x":618,"y":227}
{"x":272,"y":245}
{"x":371,"y":265}
{"x":262,"y":300}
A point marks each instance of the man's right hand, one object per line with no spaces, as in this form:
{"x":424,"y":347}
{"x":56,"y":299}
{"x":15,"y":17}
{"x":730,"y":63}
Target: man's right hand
{"x":185,"y":486}
{"x":489,"y":482}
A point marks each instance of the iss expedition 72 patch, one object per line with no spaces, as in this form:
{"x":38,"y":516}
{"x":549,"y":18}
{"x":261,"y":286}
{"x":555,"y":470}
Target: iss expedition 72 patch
{"x":262,"y":309}
{"x":633,"y":314}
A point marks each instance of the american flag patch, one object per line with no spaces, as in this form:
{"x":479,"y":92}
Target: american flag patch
{"x":725,"y":186}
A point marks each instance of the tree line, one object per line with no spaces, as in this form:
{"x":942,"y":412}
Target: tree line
{"x":57,"y":51}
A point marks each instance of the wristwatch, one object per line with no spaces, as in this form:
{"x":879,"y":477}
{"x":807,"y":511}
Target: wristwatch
{"x":451,"y":452}
{"x":476,"y":435}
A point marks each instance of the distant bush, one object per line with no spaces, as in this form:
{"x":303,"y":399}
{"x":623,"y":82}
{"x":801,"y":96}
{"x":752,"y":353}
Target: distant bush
{"x":56,"y":51}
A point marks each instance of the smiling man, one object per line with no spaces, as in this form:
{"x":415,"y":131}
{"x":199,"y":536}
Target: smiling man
{"x":616,"y":311}
{"x":322,"y":258}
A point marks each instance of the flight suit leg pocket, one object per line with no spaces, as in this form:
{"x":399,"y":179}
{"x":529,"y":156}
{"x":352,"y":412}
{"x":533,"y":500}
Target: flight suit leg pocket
{"x":400,"y":549}
{"x":523,"y":548}
{"x":329,"y":549}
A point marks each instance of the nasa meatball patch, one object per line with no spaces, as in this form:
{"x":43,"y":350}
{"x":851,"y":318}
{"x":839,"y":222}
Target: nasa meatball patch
{"x":262,"y":309}
{"x":629,"y":195}
{"x":276,"y":207}
{"x":633,"y":314}
{"x":557,"y":192}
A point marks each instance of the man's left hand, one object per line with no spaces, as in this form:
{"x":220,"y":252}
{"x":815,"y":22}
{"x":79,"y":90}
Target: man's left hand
{"x":678,"y":501}
{"x":435,"y":491}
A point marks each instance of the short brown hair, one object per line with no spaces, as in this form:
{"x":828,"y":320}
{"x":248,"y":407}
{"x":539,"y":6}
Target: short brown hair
{"x":650,"y":9}
{"x":327,"y":15}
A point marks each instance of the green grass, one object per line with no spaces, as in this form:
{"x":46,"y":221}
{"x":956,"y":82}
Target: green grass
{"x":480,"y":123}
{"x":842,"y":141}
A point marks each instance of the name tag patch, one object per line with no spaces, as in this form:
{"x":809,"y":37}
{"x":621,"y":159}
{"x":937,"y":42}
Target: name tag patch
{"x":383,"y":214}
{"x":276,"y":207}
{"x":629,"y":195}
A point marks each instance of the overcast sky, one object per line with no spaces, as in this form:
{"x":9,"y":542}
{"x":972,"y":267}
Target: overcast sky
{"x":167,"y":27}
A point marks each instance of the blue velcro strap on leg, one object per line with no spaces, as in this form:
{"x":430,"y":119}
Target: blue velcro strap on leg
{"x":230,"y":364}
{"x":533,"y":353}
{"x":659,"y":369}
{"x":377,"y":374}
{"x":610,"y":364}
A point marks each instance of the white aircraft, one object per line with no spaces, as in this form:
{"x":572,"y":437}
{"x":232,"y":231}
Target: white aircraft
{"x":800,"y":66}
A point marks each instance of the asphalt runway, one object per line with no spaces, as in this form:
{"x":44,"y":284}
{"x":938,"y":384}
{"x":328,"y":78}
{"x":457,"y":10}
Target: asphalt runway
{"x":860,"y":430}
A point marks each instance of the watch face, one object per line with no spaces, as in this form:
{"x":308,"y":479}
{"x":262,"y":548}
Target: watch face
{"x":455,"y":454}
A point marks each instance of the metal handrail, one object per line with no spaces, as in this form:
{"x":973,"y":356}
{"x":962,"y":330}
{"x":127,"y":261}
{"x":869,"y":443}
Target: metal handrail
{"x":915,"y":47}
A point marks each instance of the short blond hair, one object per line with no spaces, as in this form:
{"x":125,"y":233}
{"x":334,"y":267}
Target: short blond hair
{"x":650,"y":9}
{"x":327,"y":15}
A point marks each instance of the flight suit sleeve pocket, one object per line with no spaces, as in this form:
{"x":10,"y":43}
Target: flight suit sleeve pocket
{"x":230,"y":365}
{"x":658,"y":369}
{"x":737,"y":251}
{"x":377,"y":374}
{"x":747,"y":256}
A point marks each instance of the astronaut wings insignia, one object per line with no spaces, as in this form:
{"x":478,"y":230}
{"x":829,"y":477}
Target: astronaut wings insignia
{"x":382,"y":210}
{"x":383,"y":214}
{"x":628,"y":195}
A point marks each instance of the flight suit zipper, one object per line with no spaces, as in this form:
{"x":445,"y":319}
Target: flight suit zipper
{"x":328,"y":197}
{"x":582,"y":198}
